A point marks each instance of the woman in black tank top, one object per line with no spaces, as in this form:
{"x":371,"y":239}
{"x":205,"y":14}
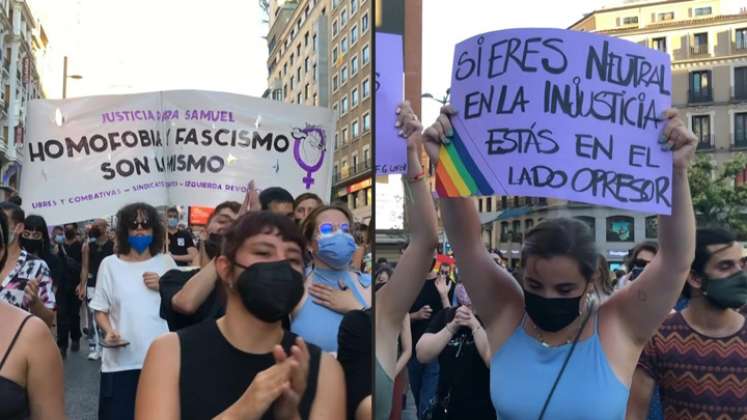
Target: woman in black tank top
{"x":245,"y":365}
{"x":31,"y":384}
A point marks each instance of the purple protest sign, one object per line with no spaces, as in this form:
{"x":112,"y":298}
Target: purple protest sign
{"x":391,"y":153}
{"x":556,"y":113}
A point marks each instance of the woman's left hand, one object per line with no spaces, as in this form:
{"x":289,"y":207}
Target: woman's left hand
{"x":341,"y":301}
{"x":151,"y":280}
{"x":286,"y":407}
{"x":679,"y":139}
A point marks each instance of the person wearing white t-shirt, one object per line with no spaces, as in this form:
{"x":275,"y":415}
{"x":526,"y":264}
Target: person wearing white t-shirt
{"x":127,"y":305}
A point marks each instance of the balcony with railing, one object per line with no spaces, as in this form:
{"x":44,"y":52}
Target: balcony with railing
{"x":699,"y":95}
{"x":706,"y":142}
{"x":351,"y":172}
{"x":698,"y":50}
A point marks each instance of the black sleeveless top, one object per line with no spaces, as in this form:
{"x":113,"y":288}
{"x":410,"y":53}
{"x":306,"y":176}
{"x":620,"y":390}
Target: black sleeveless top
{"x":14,"y":400}
{"x":213,"y":374}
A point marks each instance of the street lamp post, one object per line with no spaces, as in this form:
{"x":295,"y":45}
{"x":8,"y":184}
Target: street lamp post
{"x":65,"y":77}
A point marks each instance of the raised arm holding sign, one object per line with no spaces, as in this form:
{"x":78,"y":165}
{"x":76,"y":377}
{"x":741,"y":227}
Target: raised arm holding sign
{"x":549,"y":312}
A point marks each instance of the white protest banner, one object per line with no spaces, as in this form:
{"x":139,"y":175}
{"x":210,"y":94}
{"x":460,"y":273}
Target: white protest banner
{"x":88,"y":157}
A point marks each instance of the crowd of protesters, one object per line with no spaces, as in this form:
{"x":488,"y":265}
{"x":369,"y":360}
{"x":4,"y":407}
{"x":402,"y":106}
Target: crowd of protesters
{"x":562,"y":336}
{"x":263,"y":314}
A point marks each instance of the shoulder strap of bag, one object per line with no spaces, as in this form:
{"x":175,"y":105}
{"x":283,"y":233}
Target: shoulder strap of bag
{"x":565,"y":362}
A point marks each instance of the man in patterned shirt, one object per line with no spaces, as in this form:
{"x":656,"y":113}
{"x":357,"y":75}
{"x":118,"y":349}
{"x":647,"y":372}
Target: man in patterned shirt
{"x":26,"y":282}
{"x":699,"y":356}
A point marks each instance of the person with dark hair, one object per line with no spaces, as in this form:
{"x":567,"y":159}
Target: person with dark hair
{"x":456,"y":339}
{"x":533,"y":326}
{"x":303,"y":205}
{"x":31,"y":371}
{"x":98,"y":247}
{"x":638,"y":258}
{"x":126,"y":302}
{"x":181,"y":245}
{"x":26,"y":279}
{"x":333,"y":287}
{"x":354,"y":342}
{"x":277,"y":200}
{"x":58,"y":235}
{"x":698,"y":356}
{"x":244,"y":365}
{"x":189,"y":297}
{"x":16,"y":199}
{"x":71,"y":252}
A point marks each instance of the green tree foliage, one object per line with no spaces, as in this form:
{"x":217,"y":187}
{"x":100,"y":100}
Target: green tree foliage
{"x":717,"y":198}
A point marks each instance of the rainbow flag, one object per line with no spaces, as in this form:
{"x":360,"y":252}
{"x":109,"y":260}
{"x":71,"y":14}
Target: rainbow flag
{"x":457,"y":175}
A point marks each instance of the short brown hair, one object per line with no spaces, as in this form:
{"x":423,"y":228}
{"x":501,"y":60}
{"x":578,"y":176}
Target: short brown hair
{"x":232,"y":205}
{"x":307,"y":196}
{"x":310,"y":225}
{"x":257,"y":223}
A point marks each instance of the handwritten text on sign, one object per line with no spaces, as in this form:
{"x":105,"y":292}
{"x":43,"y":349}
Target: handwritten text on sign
{"x":391,"y":154}
{"x":564,"y":114}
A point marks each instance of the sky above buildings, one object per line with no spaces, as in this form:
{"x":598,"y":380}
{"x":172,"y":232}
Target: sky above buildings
{"x":148,"y":45}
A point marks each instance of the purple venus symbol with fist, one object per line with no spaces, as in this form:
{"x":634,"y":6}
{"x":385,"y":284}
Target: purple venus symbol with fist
{"x":310,"y":146}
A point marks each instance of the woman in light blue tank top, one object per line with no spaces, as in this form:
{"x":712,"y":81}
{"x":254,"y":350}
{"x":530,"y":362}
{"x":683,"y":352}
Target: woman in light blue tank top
{"x":533,"y":323}
{"x":332,"y":288}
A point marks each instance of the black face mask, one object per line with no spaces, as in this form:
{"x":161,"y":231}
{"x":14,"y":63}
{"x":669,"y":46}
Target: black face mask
{"x":70,"y":234}
{"x":213,"y":245}
{"x":33,"y":246}
{"x":270,"y":290}
{"x":94,"y":233}
{"x":551,"y":314}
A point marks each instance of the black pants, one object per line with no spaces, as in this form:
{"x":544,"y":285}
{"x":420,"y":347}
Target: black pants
{"x":68,"y":316}
{"x":117,"y":395}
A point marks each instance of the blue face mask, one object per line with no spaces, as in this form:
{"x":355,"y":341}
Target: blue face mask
{"x":336,"y":250}
{"x":173,"y":223}
{"x":140,"y":243}
{"x":59,"y":239}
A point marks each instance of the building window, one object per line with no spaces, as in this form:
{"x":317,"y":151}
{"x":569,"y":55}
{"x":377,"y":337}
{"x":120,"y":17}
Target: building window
{"x":298,"y":98}
{"x":334,"y":83}
{"x":740,"y":83}
{"x":355,"y":129}
{"x":355,"y":158}
{"x":335,"y":3}
{"x":343,"y":18}
{"x":701,"y":126}
{"x":700,"y":86}
{"x":516,"y":231}
{"x":740,"y":129}
{"x":366,"y":157}
{"x":630,"y":20}
{"x":344,"y":105}
{"x":344,"y":45}
{"x":285,"y":69}
{"x":354,"y":97}
{"x":335,"y":110}
{"x":365,"y":55}
{"x":354,"y":66}
{"x":700,"y":44}
{"x":344,"y":137}
{"x":334,"y":55}
{"x":365,"y":88}
{"x":306,"y":65}
{"x":291,"y":60}
{"x":703,"y":11}
{"x":652,"y":227}
{"x":504,"y":231}
{"x":291,"y":82}
{"x":504,"y":202}
{"x":306,"y":91}
{"x":659,"y":44}
{"x":298,"y":50}
{"x":334,"y":28}
{"x":366,"y":122}
{"x":313,"y":43}
{"x":741,"y":39}
{"x":620,"y":229}
{"x":298,"y":74}
{"x":516,"y":201}
{"x":666,"y":16}
{"x":489,"y":204}
{"x":353,"y":6}
{"x":364,"y":23}
{"x":285,"y":91}
{"x":316,"y":100}
{"x":590,"y":222}
{"x":528,"y":225}
{"x":354,"y":34}
{"x":344,"y":75}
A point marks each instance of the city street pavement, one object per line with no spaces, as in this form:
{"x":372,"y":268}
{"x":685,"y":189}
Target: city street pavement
{"x":81,"y":385}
